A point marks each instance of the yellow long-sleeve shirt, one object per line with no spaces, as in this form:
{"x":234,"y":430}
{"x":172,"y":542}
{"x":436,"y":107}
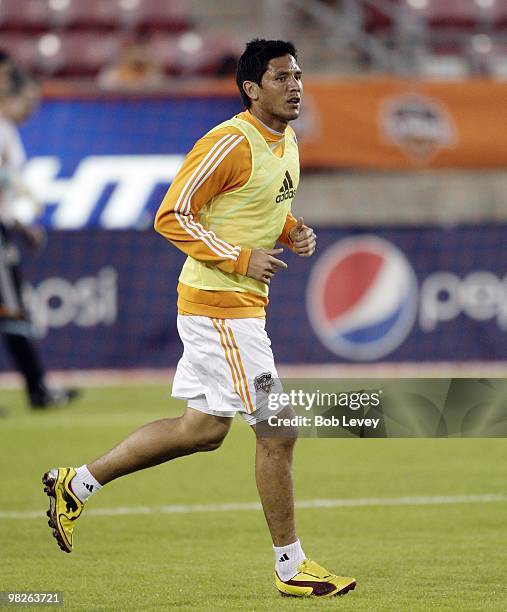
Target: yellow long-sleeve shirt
{"x":220,"y":162}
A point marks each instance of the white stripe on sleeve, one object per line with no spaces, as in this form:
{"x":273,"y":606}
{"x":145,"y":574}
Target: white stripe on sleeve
{"x":203,"y":171}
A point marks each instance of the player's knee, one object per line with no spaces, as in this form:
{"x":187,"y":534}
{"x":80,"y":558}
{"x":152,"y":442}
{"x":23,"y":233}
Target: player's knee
{"x":205,"y":445}
{"x":210,"y":440}
{"x":203,"y":432}
{"x":278,"y":446}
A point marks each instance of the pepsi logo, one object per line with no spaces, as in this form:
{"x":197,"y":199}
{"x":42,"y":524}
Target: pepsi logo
{"x":362,"y":298}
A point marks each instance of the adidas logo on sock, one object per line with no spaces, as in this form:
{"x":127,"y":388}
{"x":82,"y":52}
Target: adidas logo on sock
{"x":88,"y":486}
{"x":287,"y":190}
{"x":284,"y":557}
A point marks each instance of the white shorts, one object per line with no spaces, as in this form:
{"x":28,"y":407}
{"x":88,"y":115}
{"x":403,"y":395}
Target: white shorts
{"x":227,"y":367}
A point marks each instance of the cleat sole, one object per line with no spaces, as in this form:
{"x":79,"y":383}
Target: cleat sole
{"x":343,"y":591}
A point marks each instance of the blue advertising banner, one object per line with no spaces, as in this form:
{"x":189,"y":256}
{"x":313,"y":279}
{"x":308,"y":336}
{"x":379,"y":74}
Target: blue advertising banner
{"x":104,"y":299}
{"x":108,"y":162}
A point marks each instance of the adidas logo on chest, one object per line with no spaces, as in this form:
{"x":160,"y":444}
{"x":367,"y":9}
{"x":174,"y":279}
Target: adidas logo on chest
{"x":287,"y":191}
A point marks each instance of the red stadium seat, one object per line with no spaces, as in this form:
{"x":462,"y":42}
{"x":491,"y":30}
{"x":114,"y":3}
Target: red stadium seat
{"x":150,"y":15}
{"x":24,"y":15}
{"x":499,"y":15}
{"x":218,"y":55}
{"x":193,"y":53}
{"x":22,"y":47}
{"x":376,"y":21}
{"x":76,"y":54}
{"x":164,"y":48}
{"x":80,"y":14}
{"x":463,"y":14}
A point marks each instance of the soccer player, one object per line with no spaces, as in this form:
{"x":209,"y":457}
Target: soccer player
{"x":226,"y":209}
{"x":19,"y":95}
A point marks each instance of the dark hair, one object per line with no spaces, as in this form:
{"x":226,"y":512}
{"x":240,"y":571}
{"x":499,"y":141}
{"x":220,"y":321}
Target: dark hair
{"x":255,"y":59}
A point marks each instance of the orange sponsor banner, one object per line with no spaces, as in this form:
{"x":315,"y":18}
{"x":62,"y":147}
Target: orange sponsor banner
{"x":389,"y":123}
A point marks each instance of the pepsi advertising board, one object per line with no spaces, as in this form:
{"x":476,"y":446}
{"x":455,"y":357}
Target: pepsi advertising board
{"x":370,"y":295}
{"x":362,"y":298}
{"x":404,"y":294}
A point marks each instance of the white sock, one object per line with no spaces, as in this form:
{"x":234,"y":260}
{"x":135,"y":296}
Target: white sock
{"x":287,"y":560}
{"x":84,"y":484}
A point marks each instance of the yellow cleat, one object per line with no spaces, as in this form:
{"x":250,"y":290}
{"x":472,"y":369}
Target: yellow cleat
{"x":64,"y":506}
{"x":312,"y":580}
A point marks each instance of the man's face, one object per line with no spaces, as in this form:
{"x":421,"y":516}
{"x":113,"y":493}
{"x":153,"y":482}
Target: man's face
{"x":281,"y":88}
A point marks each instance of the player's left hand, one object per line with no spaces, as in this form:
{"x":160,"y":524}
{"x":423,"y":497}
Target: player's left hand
{"x":304,"y":240}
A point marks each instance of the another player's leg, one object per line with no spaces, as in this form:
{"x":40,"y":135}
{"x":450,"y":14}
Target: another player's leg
{"x":26,"y":359}
{"x":295,"y":575}
{"x":17,"y":330}
{"x":152,"y":444}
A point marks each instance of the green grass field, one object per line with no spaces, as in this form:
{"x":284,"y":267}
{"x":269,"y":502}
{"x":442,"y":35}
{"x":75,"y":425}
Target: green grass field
{"x":406,"y":557}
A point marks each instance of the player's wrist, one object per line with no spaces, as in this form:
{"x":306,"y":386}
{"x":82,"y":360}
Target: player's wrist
{"x":243,"y":261}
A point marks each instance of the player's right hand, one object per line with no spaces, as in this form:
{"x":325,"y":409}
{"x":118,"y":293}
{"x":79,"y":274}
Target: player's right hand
{"x":263,"y":265}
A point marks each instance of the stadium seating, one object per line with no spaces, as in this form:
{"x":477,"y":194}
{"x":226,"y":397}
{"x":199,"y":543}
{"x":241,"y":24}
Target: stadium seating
{"x":24,"y":15}
{"x":29,"y":15}
{"x":463,"y":14}
{"x":141,"y":15}
{"x":77,"y":38}
{"x":435,"y":14}
{"x":152,"y":15}
{"x":70,"y":38}
{"x":499,"y":15}
{"x":193,"y":53}
{"x":24,"y":48}
{"x":96,"y":14}
{"x":76,"y":54}
{"x":455,"y":37}
{"x":376,"y":21}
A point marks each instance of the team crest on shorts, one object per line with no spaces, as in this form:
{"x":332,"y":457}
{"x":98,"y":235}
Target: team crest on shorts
{"x":264,"y":382}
